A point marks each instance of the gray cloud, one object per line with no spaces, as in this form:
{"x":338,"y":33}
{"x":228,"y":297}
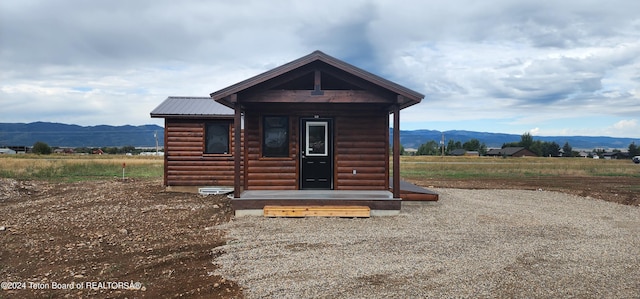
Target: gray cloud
{"x":83,"y":61}
{"x":350,"y":36}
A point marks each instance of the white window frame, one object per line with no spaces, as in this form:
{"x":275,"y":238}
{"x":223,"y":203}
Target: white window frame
{"x":324,"y":124}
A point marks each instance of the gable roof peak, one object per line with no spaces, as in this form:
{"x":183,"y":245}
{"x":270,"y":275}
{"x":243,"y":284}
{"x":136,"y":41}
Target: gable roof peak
{"x":412,"y":97}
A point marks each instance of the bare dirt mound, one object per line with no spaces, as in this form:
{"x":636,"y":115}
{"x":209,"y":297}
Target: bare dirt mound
{"x":109,"y":239}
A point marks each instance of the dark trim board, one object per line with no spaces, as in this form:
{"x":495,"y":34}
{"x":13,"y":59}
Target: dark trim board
{"x":411,"y":192}
{"x":409,"y":196}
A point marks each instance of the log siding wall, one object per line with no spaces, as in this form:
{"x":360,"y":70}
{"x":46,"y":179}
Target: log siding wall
{"x":361,"y":143}
{"x":186,"y":164}
{"x":269,"y":173}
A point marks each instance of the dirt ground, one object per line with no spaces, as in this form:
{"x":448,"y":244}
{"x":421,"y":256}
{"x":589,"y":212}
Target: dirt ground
{"x":130,"y":239}
{"x":111,"y":239}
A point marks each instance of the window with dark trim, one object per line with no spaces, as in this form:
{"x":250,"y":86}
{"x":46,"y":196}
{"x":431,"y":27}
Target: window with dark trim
{"x":217,"y":138}
{"x":275,"y":136}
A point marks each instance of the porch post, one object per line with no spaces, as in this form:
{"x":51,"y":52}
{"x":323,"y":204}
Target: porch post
{"x":396,"y":151}
{"x":237,"y":145}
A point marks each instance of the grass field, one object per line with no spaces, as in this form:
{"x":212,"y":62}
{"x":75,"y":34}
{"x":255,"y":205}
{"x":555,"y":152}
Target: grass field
{"x":79,"y":168}
{"x":429,"y":167}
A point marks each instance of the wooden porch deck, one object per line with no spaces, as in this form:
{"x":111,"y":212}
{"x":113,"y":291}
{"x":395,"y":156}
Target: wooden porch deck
{"x":257,"y":199}
{"x":252,"y":202}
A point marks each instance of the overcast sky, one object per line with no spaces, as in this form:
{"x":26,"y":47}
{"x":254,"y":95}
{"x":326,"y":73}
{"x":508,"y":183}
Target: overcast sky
{"x":569,"y":67}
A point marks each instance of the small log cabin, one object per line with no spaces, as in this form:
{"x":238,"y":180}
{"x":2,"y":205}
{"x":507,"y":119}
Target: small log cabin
{"x":312,"y":132}
{"x":198,"y":137}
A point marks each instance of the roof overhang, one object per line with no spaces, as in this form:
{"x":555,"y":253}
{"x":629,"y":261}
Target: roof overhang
{"x":402,"y":96}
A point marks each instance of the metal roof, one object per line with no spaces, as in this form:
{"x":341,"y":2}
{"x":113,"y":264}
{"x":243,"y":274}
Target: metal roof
{"x":191,"y":107}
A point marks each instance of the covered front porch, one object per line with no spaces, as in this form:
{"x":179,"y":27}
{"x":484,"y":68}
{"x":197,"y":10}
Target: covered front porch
{"x":316,"y":134}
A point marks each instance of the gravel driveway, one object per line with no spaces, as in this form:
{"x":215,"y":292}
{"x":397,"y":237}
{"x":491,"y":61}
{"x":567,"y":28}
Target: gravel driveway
{"x":472,"y":243}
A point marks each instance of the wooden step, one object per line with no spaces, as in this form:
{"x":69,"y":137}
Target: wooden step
{"x":319,"y":211}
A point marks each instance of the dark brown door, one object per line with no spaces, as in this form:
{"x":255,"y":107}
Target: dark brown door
{"x":316,"y":154}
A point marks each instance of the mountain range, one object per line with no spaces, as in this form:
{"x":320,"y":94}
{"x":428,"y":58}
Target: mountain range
{"x":66,"y":135}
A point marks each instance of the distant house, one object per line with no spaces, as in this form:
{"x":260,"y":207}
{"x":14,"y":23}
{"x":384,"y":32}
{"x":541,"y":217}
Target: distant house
{"x":584,"y":154}
{"x":615,"y":155}
{"x":64,"y":150}
{"x":464,"y":152}
{"x":20,"y":149}
{"x":511,"y":152}
{"x":410,"y":151}
{"x":458,"y":152}
{"x":7,"y":151}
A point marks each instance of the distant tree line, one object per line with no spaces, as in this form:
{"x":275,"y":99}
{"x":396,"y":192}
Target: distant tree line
{"x":433,"y":148}
{"x":473,"y":145}
{"x":540,"y":148}
{"x":111,"y":150}
{"x":552,"y":149}
{"x":41,"y":148}
{"x":430,"y":148}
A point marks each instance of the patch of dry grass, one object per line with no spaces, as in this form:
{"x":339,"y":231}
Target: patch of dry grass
{"x":420,"y":167}
{"x":77,"y":168}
